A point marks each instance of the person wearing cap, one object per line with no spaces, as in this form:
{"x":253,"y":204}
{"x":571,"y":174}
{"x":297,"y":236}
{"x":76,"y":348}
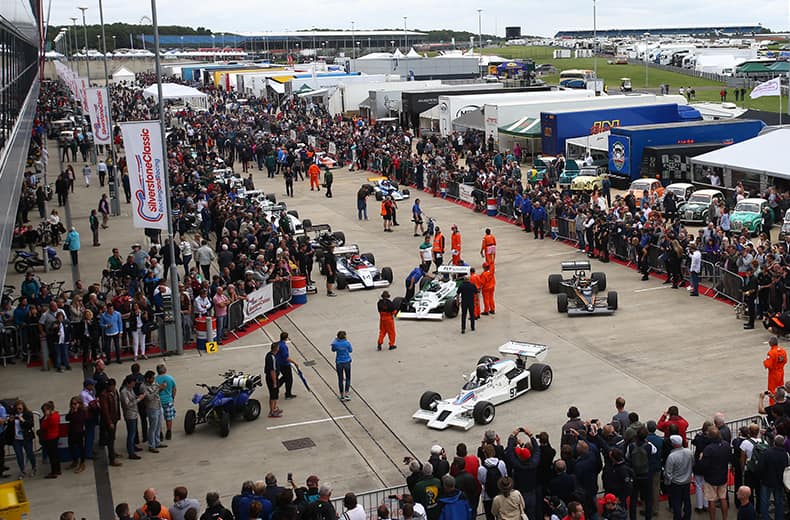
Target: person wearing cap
{"x":488,"y":247}
{"x":611,"y":508}
{"x":677,"y":476}
{"x":523,"y":459}
{"x":488,"y":282}
{"x":72,"y":243}
{"x":455,"y":245}
{"x":438,"y":248}
{"x":387,"y":311}
{"x":695,"y":268}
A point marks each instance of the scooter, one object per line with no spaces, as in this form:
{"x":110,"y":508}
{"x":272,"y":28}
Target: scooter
{"x":24,"y":260}
{"x":219,"y":404}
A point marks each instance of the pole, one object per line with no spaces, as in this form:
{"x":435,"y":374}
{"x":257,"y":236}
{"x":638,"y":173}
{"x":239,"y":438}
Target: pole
{"x":85,"y":34}
{"x":76,"y":65}
{"x":480,"y":40}
{"x":175,"y":294}
{"x":595,"y":42}
{"x":75,"y":269}
{"x":405,"y":36}
{"x":112,"y":182}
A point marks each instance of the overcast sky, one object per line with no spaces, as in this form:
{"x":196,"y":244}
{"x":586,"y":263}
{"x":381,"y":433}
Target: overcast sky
{"x":537,"y":17}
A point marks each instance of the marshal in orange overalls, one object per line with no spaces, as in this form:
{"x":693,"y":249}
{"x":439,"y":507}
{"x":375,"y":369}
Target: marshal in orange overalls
{"x":488,"y":248}
{"x":387,"y":313}
{"x":489,"y":283}
{"x":775,"y":363}
{"x":474,"y":278}
{"x":314,"y":171}
{"x":455,"y":246}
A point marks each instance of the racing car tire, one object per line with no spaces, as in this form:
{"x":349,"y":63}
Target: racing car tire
{"x":294,"y":214}
{"x":487,"y":359}
{"x":451,"y":309}
{"x":369,"y":257}
{"x":379,"y":196}
{"x":405,"y":192}
{"x":428,"y":399}
{"x":252,"y":410}
{"x":555,"y":283}
{"x":341,"y":282}
{"x":611,"y":300}
{"x":398,"y":303}
{"x":271,"y":197}
{"x":601,"y":279}
{"x":224,"y":424}
{"x":190,"y":420}
{"x":307,"y":224}
{"x":540,"y":376}
{"x":562,"y":302}
{"x":340,"y":237}
{"x":386,"y":273}
{"x":484,"y":412}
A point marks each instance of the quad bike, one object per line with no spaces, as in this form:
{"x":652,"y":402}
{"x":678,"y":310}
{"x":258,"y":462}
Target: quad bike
{"x":24,"y":260}
{"x":221,"y":403}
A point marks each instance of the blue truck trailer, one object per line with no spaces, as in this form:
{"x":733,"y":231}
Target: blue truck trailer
{"x":558,"y":126}
{"x":627,"y":143}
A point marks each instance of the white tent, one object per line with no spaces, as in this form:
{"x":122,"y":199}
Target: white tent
{"x":123,"y":74}
{"x":757,"y":155}
{"x":397,"y":54}
{"x":413,"y":54}
{"x":173,"y":91}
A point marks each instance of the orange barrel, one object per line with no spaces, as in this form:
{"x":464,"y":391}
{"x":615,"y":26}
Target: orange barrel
{"x":298,"y":290}
{"x":491,"y":207}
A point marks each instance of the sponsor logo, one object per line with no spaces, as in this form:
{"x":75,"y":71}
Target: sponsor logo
{"x":618,"y":155}
{"x":101,"y":130}
{"x":467,"y":108}
{"x":603,"y":126}
{"x":149,"y":200}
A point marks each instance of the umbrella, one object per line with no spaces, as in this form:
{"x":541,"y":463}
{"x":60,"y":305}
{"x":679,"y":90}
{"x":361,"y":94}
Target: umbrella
{"x":301,"y":376}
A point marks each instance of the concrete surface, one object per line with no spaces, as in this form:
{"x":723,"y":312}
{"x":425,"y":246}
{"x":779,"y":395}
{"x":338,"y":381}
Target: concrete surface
{"x":660,"y":348}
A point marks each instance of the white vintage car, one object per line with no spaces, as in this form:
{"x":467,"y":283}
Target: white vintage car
{"x":493,"y":382}
{"x":437,"y":298}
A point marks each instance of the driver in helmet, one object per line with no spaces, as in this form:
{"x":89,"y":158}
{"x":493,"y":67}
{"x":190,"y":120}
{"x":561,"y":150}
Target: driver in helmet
{"x":356,"y":260}
{"x":482,"y":373}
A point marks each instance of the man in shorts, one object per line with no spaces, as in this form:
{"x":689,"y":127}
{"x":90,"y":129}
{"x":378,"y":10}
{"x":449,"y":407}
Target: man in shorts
{"x":330,"y":265}
{"x":270,"y":371}
{"x":167,"y":396}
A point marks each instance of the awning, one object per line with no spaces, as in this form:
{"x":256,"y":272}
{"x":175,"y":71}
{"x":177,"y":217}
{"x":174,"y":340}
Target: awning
{"x":524,"y":127}
{"x":757,"y":155}
{"x":598,"y":142}
{"x":276,"y":86}
{"x":313,"y":93}
{"x":367,"y":103}
{"x":473,"y":120}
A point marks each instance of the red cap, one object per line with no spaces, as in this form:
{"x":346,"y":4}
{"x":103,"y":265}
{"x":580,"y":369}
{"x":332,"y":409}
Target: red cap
{"x":609,"y":499}
{"x":523,"y":453}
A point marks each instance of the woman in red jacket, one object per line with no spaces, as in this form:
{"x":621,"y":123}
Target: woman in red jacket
{"x":50,"y":433}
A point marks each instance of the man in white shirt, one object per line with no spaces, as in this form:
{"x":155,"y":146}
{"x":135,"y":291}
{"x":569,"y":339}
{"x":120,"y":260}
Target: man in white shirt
{"x":695,"y":268}
{"x":101,"y":168}
{"x":202,"y":304}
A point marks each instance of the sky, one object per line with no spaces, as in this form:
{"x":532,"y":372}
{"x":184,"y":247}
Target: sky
{"x":536,"y":17}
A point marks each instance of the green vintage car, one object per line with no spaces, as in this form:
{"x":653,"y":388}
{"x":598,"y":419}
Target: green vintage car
{"x":748,"y":215}
{"x":539,"y":169}
{"x":572,"y":168}
{"x":696,"y":208}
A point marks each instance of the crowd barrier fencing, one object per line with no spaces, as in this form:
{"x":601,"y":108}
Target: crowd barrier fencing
{"x":566,"y":229}
{"x":371,"y":500}
{"x":238,"y":317}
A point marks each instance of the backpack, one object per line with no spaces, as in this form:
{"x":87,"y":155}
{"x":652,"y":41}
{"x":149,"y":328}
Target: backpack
{"x":639,"y":459}
{"x":492,"y":478}
{"x":457,"y":510}
{"x":757,"y":452}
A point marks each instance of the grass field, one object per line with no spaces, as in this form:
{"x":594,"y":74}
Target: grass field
{"x":706,"y":90}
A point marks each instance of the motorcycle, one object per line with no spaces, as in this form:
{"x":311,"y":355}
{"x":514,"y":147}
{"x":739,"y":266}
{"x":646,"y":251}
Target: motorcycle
{"x":221,"y":403}
{"x":24,"y":260}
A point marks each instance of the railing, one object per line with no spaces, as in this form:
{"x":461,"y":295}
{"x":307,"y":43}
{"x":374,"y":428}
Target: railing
{"x":371,"y":500}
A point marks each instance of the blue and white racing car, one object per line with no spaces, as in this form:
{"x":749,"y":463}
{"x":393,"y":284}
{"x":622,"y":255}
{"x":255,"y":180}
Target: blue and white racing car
{"x":383,"y":186}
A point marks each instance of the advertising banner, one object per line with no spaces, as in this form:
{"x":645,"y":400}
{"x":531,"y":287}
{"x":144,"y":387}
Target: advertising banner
{"x":99,"y":112}
{"x":143,"y":143}
{"x":258,"y":302}
{"x":619,"y":154}
{"x":465,"y":193}
{"x":82,"y":94}
{"x":491,"y":118}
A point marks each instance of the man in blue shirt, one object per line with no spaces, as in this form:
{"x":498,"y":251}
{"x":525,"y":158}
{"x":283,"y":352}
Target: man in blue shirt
{"x":111,"y":325}
{"x":167,"y":396}
{"x":538,"y":220}
{"x":416,"y":217}
{"x":284,"y":363}
{"x":526,"y":210}
{"x":413,"y":281}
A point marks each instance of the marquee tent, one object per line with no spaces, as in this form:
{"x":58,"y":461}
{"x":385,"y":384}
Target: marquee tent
{"x":174,"y":91}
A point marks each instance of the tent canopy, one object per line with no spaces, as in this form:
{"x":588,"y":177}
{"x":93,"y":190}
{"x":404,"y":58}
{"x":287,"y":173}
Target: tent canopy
{"x":472,"y":120}
{"x":524,"y":127}
{"x":756,"y":155}
{"x":175,"y":91}
{"x":123,"y":74}
{"x":598,"y":142}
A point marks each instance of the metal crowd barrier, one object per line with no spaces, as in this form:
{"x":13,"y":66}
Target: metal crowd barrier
{"x":371,"y":500}
{"x":452,"y":190}
{"x":566,"y":229}
{"x":730,"y":285}
{"x":281,"y":295}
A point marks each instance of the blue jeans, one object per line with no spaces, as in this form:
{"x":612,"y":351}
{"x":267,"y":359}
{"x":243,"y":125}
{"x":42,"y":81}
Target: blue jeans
{"x":113,"y":341}
{"x":343,"y":376}
{"x":90,"y":437}
{"x":185,"y":261}
{"x":362,"y":209}
{"x":680,"y":501}
{"x":131,"y":434}
{"x":62,"y":356}
{"x":221,"y":321}
{"x":694,"y":283}
{"x":580,"y":239}
{"x":779,"y":497}
{"x":22,"y":447}
{"x":154,"y":426}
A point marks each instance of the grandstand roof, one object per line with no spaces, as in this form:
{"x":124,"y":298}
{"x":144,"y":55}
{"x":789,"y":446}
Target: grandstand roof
{"x":614,"y":33}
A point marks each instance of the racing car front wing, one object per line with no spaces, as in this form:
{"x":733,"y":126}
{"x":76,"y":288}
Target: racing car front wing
{"x":376,"y":283}
{"x":444,"y":417}
{"x":415,"y":316}
{"x":583,"y":311}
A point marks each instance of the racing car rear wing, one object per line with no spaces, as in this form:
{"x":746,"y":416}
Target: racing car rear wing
{"x":526,"y":350}
{"x":455,"y":269}
{"x":352,"y":249}
{"x":576,"y":265}
{"x":317,"y":228}
{"x":377,"y":179}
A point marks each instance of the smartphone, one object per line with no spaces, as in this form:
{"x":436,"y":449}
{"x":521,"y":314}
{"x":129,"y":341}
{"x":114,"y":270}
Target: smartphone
{"x":290,"y":477}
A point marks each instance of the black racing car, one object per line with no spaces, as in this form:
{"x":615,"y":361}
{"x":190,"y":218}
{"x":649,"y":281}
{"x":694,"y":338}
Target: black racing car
{"x":580,"y":295}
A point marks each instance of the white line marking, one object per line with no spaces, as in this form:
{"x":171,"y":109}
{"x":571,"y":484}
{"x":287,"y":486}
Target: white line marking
{"x":566,"y":253}
{"x":303,"y":423}
{"x":242,"y":347}
{"x":653,"y":288}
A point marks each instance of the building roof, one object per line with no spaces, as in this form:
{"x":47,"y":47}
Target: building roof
{"x":611,"y":33}
{"x":754,"y":155}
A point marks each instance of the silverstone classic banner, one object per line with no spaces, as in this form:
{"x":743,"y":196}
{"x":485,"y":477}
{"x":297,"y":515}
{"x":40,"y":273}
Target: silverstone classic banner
{"x":143,"y":143}
{"x":99,"y":112}
{"x":258,"y":302}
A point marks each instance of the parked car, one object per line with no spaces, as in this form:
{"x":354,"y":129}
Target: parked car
{"x":589,"y":178}
{"x":681,"y":191}
{"x":572,"y":168}
{"x":696,"y":207}
{"x":748,"y":215}
{"x":651,"y":186}
{"x":785,"y":231}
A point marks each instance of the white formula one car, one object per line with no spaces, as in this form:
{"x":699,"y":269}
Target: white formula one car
{"x":383,"y":186}
{"x":355,"y":271}
{"x":437,"y":298}
{"x":494,"y":381}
